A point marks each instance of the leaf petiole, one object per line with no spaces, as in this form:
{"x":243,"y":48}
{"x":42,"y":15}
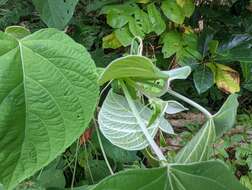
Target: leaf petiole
{"x":133,"y":108}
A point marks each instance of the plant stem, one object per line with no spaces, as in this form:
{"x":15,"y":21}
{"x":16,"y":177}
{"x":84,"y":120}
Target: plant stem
{"x":133,"y":108}
{"x":192,"y":103}
{"x":102,"y":148}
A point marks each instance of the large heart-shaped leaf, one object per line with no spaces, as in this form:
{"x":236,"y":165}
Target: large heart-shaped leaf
{"x":119,"y":125}
{"x":56,"y":13}
{"x":199,"y":148}
{"x":48,"y":92}
{"x":210,"y":175}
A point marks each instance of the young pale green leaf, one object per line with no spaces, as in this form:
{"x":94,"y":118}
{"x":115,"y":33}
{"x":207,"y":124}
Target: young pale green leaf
{"x":157,"y":23}
{"x":119,"y":125}
{"x":225,"y":118}
{"x":199,"y":148}
{"x":133,"y":66}
{"x":56,"y":13}
{"x":17,"y":31}
{"x":48,"y":92}
{"x":174,"y":107}
{"x":203,"y":78}
{"x":178,"y":73}
{"x":210,"y":175}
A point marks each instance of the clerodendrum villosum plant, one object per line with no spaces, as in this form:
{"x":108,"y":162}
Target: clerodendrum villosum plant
{"x":128,"y":121}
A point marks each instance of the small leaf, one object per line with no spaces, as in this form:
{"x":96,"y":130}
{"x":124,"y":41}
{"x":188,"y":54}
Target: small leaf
{"x":119,"y":125}
{"x":178,"y":73}
{"x":172,"y":44}
{"x":203,"y":78}
{"x":56,"y":13}
{"x":17,"y":31}
{"x":117,"y":21}
{"x":111,"y":41}
{"x":134,"y":66}
{"x":199,"y":148}
{"x":225,"y":118}
{"x":174,"y":107}
{"x":124,"y":36}
{"x":173,"y":11}
{"x":226,"y":78}
{"x":157,"y":23}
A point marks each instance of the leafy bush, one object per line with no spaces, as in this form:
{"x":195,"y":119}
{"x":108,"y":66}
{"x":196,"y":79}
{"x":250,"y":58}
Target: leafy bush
{"x":147,"y":57}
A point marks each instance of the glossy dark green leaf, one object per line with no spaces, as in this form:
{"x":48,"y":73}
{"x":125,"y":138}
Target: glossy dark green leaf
{"x":237,"y":48}
{"x":210,"y":175}
{"x":203,"y":79}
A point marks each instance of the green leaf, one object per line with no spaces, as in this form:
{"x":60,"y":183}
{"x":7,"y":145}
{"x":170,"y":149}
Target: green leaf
{"x":124,"y":36}
{"x":225,"y":118}
{"x":174,"y":107}
{"x":157,"y":23}
{"x":117,"y":21}
{"x":173,"y":11}
{"x":143,"y":21}
{"x":119,"y":125}
{"x":187,"y":6}
{"x":159,"y":87}
{"x":134,"y":66}
{"x":203,"y":78}
{"x":238,"y":48}
{"x":17,"y":31}
{"x":56,"y":13}
{"x":178,"y":73}
{"x":111,"y":41}
{"x":136,"y":29}
{"x":115,"y":153}
{"x":199,"y":148}
{"x":247,"y":75}
{"x":48,"y":92}
{"x":172,"y":44}
{"x":210,"y":175}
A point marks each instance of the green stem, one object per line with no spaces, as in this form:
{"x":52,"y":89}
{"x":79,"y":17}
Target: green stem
{"x":102,"y":148}
{"x":192,"y":103}
{"x":133,"y":108}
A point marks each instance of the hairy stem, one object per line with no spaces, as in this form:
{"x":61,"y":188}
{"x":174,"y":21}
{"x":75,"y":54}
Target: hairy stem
{"x":192,"y":103}
{"x":133,"y":108}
